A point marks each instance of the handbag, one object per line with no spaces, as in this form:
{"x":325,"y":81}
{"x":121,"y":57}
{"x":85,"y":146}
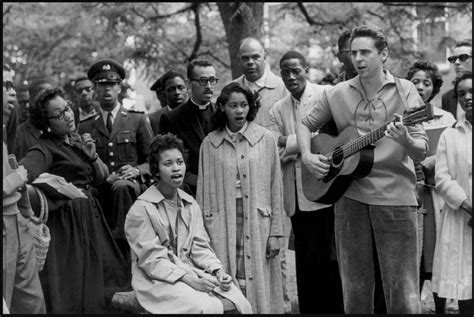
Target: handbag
{"x":39,"y":231}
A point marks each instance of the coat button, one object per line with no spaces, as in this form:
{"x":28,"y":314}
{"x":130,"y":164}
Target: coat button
{"x":242,"y":157}
{"x":244,"y":175}
{"x":246,"y":196}
{"x":248,"y":237}
{"x":246,"y":218}
{"x":248,"y":256}
{"x":110,"y":144}
{"x":250,"y":278}
{"x":112,"y":163}
{"x":111,"y":153}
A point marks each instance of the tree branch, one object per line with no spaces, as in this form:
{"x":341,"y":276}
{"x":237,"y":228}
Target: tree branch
{"x":168,"y":15}
{"x":197,"y":25}
{"x":423,"y":4}
{"x":220,"y":61}
{"x":303,"y":10}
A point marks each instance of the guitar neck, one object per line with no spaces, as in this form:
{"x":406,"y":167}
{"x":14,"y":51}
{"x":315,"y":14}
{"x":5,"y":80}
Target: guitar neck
{"x":364,"y":140}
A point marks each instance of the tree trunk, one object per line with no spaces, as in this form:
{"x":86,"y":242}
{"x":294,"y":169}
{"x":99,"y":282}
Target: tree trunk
{"x":240,"y":19}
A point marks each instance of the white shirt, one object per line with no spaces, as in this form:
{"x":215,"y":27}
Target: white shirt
{"x":106,"y":113}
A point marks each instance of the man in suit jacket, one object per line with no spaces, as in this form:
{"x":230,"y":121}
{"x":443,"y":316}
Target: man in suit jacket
{"x":174,"y":86}
{"x":191,"y":121}
{"x":317,"y":276}
{"x":123,"y":139}
{"x":462,"y":61}
{"x":256,"y":76}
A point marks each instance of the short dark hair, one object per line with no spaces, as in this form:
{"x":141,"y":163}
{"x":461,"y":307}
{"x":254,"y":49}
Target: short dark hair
{"x":170,"y":75}
{"x":160,"y":143}
{"x":464,"y":75}
{"x":293,"y":54}
{"x":194,"y":63}
{"x":38,"y":110}
{"x":433,"y":73}
{"x":343,"y":38}
{"x":464,"y":42}
{"x":82,"y":78}
{"x":373,"y":32}
{"x":219,"y":118}
{"x":34,"y":87}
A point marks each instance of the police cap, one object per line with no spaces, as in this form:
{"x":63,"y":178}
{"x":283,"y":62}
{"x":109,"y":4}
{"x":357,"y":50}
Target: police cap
{"x":106,"y":71}
{"x":158,"y":84}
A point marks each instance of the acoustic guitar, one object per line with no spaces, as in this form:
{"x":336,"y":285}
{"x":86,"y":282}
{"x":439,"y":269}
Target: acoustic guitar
{"x":351,"y":157}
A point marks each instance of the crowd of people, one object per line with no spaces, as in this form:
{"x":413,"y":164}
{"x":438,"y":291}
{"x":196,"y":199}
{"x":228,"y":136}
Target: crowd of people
{"x":191,"y":208}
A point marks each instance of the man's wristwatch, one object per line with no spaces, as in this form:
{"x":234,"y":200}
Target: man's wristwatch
{"x":96,"y":156}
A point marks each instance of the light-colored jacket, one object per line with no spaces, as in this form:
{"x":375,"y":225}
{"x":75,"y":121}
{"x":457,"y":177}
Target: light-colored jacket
{"x":156,"y":270}
{"x":452,"y":263}
{"x":273,"y":90}
{"x":283,"y":118}
{"x":256,"y":158}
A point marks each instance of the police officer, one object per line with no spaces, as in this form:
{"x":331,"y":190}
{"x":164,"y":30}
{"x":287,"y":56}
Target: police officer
{"x":123,"y":139}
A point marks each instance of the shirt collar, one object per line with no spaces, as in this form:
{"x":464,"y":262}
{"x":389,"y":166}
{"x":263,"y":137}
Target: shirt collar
{"x":355,"y":82}
{"x":234,"y":135}
{"x":260,"y":83}
{"x":114,"y":112}
{"x":200,"y":107}
{"x":253,"y":133}
{"x":153,"y":195}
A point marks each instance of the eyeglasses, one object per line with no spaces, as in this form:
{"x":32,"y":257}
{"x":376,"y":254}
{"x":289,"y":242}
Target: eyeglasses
{"x":203,"y":81}
{"x":61,"y":114}
{"x":462,"y":58}
{"x":80,"y":90}
{"x":9,"y":85}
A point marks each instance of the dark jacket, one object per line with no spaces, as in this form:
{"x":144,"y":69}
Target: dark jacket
{"x":449,"y":102}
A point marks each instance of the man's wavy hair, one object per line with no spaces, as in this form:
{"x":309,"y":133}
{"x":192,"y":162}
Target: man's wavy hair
{"x":39,"y":111}
{"x":219,"y":118}
{"x":464,"y":75}
{"x":160,"y":143}
{"x":433,"y":73}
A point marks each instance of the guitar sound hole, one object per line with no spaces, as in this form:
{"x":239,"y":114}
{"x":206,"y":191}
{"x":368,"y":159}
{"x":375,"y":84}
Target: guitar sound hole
{"x":337,"y":156}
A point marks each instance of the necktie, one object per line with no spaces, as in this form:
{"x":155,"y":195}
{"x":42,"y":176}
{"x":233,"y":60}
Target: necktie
{"x":109,"y":122}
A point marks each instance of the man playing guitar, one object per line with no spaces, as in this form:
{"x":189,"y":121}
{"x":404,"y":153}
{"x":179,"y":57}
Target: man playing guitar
{"x":383,"y":202}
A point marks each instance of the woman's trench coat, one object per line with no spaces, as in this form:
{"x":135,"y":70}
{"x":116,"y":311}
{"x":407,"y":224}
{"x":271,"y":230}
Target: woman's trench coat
{"x":156,"y":270}
{"x":258,"y":162}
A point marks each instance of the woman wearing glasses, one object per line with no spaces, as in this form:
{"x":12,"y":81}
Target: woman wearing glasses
{"x":84,"y":267}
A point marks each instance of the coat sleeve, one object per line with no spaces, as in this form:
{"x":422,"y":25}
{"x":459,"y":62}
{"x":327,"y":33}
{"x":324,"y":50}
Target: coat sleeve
{"x":447,"y":187}
{"x":152,"y":256}
{"x":36,"y":161}
{"x":276,"y":226}
{"x":290,"y":151}
{"x":201,"y":251}
{"x":145,"y":136}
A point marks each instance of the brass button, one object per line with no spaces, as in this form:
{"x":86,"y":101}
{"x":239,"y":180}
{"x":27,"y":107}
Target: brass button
{"x":112,"y":163}
{"x":111,"y":153}
{"x":111,"y":144}
{"x":242,"y":157}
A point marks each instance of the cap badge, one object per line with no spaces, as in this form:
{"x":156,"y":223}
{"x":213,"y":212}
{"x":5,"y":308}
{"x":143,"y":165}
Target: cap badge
{"x":106,"y":67}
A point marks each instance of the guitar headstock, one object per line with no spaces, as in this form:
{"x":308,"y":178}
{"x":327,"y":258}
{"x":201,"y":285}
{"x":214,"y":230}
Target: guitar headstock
{"x":419,"y":114}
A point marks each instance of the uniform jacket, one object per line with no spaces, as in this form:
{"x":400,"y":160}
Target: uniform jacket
{"x":155,"y":119}
{"x":257,"y":160}
{"x":283,"y":118}
{"x":184,"y":122}
{"x":273,"y":91}
{"x":449,"y":102}
{"x":128,"y":143}
{"x":156,"y":269}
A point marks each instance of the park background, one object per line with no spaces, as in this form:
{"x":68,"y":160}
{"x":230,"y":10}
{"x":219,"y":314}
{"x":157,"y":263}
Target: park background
{"x":61,"y":40}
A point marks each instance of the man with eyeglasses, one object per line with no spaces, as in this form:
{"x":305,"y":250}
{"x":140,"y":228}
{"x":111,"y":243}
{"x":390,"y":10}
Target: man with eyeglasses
{"x":258,"y":76}
{"x":173,"y":84}
{"x":191,"y":121}
{"x":85,"y":106}
{"x":344,"y":56}
{"x":123,"y":139}
{"x":462,"y":61}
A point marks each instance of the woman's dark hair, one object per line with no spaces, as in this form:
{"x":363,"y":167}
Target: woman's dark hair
{"x":160,"y":143}
{"x":464,"y":75}
{"x":433,"y":73}
{"x":219,"y":118}
{"x":38,"y":110}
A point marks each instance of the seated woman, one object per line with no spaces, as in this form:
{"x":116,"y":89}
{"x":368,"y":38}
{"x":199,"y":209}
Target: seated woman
{"x":84,"y":267}
{"x":174,"y":269}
